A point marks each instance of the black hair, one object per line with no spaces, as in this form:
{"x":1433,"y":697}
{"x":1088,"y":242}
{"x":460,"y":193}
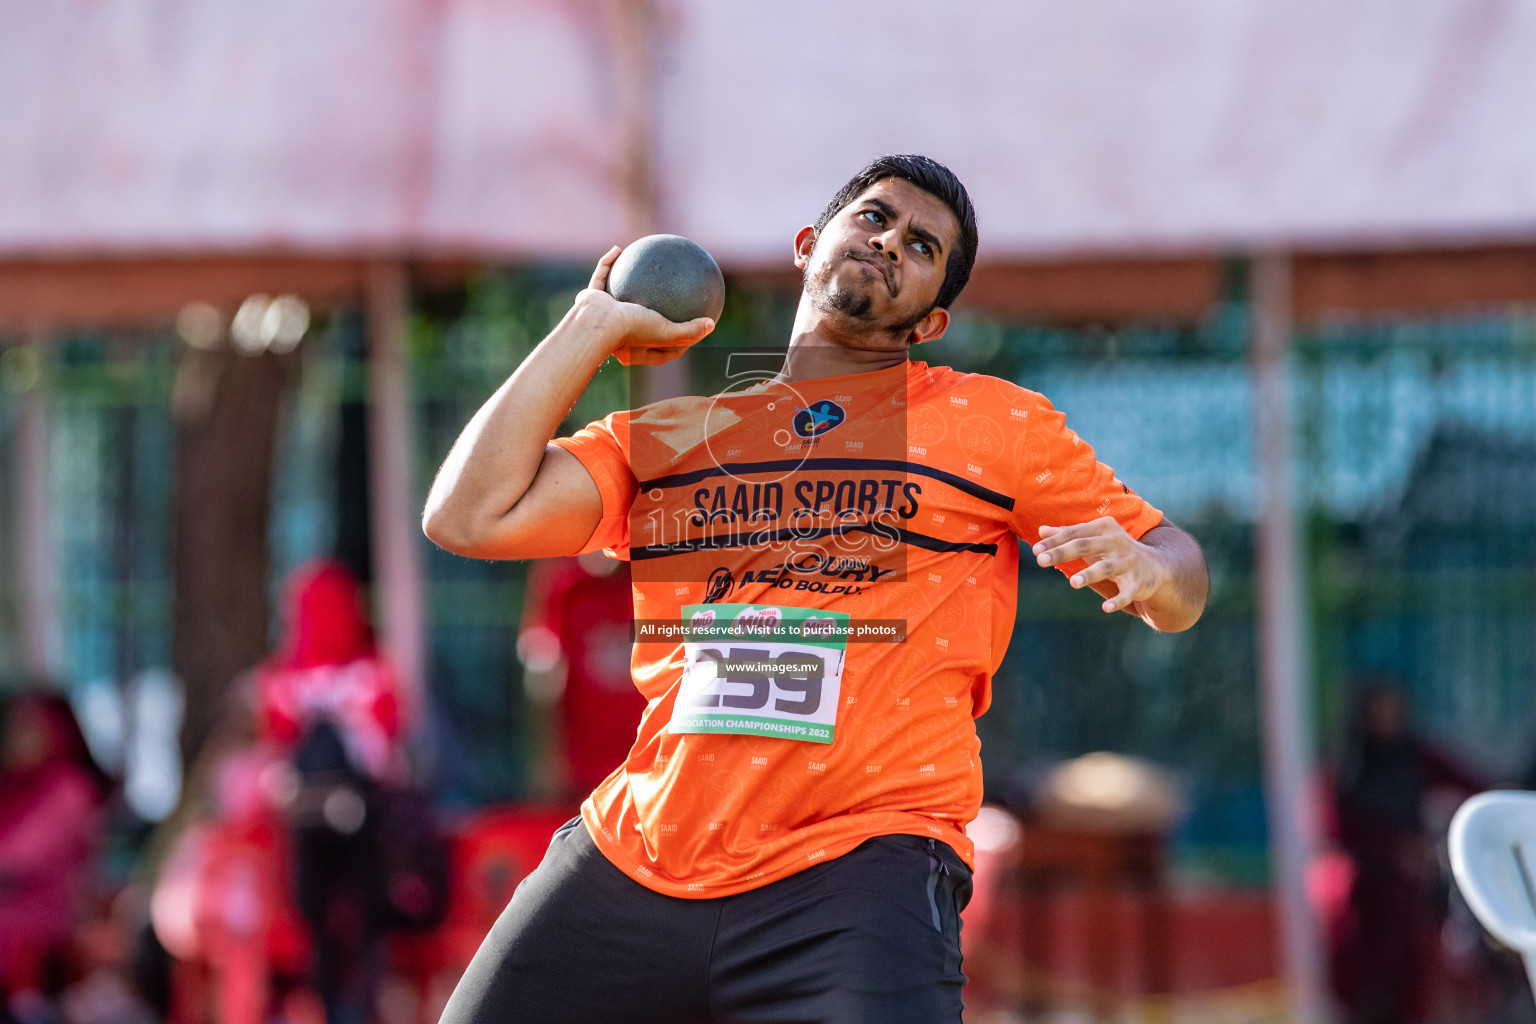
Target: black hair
{"x":940,"y":182}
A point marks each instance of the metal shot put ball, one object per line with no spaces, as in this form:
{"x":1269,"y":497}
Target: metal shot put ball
{"x":670,"y":274}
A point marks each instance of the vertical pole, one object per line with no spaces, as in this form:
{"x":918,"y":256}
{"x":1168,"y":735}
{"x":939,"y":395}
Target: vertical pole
{"x":35,"y":559}
{"x":636,"y":76}
{"x":1284,"y":643}
{"x":635,"y":67}
{"x":396,"y":513}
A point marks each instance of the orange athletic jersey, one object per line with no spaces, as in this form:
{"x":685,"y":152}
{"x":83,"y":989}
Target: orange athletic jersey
{"x":839,"y":504}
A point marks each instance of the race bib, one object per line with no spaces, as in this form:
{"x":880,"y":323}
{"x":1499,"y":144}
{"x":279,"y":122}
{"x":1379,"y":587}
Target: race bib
{"x":761,"y":670}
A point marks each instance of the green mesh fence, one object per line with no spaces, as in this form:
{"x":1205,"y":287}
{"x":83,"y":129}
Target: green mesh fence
{"x":1416,"y":448}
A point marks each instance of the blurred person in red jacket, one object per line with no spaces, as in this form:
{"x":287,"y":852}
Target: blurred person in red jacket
{"x":575,"y":646}
{"x":50,"y":796}
{"x":327,"y":667}
{"x":331,"y":704}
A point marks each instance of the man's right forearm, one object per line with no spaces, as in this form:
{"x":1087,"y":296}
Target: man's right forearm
{"x":497,"y":455}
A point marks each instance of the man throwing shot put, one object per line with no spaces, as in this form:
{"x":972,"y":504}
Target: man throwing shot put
{"x":825,"y":567}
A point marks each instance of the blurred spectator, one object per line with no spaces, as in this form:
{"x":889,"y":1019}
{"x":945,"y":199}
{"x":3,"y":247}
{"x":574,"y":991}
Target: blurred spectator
{"x":50,"y":796}
{"x":366,"y":858}
{"x":327,"y":669}
{"x":330,"y":703}
{"x":575,"y":646}
{"x":222,"y":905}
{"x":1384,"y":949}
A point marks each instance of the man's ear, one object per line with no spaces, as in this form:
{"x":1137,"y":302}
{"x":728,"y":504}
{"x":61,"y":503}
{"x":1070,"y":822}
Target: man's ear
{"x":930,"y":327}
{"x":805,"y":241}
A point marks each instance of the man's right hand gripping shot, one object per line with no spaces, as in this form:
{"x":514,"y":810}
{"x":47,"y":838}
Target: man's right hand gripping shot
{"x":825,"y":571}
{"x":503,"y":491}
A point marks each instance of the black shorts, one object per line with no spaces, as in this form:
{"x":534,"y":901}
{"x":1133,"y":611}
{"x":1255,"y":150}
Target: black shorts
{"x":872,"y":936}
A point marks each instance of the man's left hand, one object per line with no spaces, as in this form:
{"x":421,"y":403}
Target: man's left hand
{"x":1160,"y":578}
{"x":1131,"y":569}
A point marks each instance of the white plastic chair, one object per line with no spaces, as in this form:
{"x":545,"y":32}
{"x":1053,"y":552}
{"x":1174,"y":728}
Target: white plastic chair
{"x":1493,"y":857}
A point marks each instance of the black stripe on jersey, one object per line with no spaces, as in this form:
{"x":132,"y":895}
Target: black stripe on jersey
{"x":975,"y":490}
{"x":920,"y":540}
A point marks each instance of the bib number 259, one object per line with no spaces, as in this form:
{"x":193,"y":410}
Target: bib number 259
{"x":737,"y":680}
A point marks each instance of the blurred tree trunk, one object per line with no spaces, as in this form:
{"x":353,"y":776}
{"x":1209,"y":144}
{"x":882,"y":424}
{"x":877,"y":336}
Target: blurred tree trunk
{"x":227,"y":408}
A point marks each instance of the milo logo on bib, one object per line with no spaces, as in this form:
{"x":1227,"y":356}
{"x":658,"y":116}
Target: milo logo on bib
{"x":752,"y":621}
{"x":761,"y":670}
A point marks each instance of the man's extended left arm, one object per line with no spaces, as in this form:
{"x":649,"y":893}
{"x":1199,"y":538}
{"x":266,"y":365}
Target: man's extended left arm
{"x":1160,"y":578}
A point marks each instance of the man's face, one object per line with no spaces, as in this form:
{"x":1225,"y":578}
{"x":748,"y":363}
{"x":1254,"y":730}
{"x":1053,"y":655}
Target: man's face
{"x":880,"y":261}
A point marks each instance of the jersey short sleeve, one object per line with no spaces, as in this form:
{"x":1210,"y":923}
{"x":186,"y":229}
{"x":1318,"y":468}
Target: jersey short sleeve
{"x":599,"y":448}
{"x":1061,"y":482}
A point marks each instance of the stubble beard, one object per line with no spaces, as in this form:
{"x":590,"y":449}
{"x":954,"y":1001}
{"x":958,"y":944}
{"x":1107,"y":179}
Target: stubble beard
{"x":831,"y":296}
{"x":847,"y":301}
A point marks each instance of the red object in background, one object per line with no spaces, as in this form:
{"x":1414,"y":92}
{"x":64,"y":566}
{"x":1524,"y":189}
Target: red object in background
{"x":328,"y":666}
{"x":248,"y":928}
{"x":493,"y":853}
{"x":490,"y":854}
{"x":580,"y":610}
{"x":222,"y":904}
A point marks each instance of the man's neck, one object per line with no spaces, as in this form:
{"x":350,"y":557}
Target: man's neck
{"x":819,"y":347}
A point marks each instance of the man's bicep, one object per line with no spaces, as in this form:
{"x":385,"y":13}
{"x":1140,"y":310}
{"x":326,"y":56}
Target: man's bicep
{"x":558,"y":513}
